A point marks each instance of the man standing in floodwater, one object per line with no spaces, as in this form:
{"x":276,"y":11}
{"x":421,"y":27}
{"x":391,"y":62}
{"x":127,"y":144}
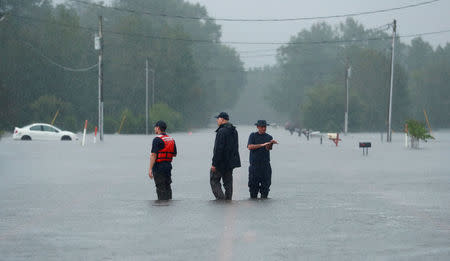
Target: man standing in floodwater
{"x":225,"y":157}
{"x":260,"y":172}
{"x":163,"y":151}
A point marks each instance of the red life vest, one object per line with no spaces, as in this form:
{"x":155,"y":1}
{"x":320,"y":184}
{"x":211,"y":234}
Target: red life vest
{"x":167,"y":153}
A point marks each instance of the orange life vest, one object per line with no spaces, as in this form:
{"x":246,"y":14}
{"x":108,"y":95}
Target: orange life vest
{"x":167,"y":153}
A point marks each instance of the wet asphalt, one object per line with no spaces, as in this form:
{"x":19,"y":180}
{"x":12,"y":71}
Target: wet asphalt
{"x":61,"y":201}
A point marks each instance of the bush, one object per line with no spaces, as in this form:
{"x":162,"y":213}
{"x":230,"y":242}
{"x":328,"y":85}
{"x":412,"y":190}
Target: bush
{"x":162,"y":111}
{"x":417,"y":132}
{"x":133,"y":124}
{"x":130,"y":123}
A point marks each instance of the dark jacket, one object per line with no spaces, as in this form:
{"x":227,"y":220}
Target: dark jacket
{"x":226,"y":148}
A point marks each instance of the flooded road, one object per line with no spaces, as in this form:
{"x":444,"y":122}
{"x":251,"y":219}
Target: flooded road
{"x":61,"y":201}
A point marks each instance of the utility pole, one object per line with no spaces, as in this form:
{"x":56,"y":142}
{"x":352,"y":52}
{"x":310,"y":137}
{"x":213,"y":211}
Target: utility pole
{"x":153,"y":86}
{"x":146,"y":96}
{"x":100,"y":77}
{"x":348,"y":69}
{"x":389,"y":132}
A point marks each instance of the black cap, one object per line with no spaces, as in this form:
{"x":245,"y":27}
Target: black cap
{"x":261,"y":123}
{"x":162,"y":125}
{"x":223,"y":115}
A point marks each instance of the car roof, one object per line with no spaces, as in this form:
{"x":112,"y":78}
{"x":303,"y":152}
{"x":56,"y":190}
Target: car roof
{"x":39,"y":123}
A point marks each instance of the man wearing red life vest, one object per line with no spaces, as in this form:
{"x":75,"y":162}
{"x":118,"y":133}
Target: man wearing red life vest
{"x":163,"y":151}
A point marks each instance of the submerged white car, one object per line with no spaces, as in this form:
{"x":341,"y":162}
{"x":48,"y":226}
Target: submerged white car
{"x":42,"y":131}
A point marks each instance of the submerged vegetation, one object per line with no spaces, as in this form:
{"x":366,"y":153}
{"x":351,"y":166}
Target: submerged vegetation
{"x":417,"y":132}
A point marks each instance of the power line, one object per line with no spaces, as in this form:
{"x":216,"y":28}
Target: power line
{"x":36,"y":19}
{"x":119,"y":9}
{"x":55,"y":63}
{"x":340,"y":41}
{"x":426,"y":33}
{"x":257,"y":56}
{"x":158,"y":37}
{"x":380,"y":28}
{"x":258,"y":51}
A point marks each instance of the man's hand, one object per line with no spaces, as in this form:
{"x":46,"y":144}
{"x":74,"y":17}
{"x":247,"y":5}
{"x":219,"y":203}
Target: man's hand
{"x":269,"y":144}
{"x":150,"y":174}
{"x":213,"y":169}
{"x":152,"y":163}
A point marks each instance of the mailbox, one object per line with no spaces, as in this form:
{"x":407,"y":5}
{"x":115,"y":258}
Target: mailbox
{"x":365,"y":146}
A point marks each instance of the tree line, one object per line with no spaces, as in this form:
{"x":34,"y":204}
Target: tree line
{"x":196,"y":79}
{"x":309,"y":79}
{"x":38,"y":39}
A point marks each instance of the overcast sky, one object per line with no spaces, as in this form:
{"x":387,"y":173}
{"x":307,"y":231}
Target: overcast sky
{"x":427,"y":18}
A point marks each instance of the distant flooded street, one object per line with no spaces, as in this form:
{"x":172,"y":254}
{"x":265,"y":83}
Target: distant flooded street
{"x":61,"y":201}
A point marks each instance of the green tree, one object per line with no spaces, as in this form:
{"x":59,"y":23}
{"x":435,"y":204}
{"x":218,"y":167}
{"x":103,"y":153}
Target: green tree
{"x":172,"y":118}
{"x":304,"y":66}
{"x":7,"y":108}
{"x":325,"y":106}
{"x":429,"y":87}
{"x":417,"y":132}
{"x":370,"y":83}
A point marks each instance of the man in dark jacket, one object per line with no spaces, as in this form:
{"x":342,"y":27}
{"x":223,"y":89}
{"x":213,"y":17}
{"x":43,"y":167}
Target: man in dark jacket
{"x":225,"y":157}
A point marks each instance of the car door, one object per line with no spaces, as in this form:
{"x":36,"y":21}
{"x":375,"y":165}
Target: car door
{"x":50,"y":133}
{"x":36,"y":132}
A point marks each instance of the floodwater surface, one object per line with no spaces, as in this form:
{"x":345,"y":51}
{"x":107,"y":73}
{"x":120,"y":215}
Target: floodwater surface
{"x":61,"y":201}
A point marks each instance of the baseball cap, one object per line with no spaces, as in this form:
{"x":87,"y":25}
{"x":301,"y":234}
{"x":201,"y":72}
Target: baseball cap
{"x":223,"y":115}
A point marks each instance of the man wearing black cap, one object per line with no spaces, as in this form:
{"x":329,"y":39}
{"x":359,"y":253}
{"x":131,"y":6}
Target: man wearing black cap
{"x":260,"y":172}
{"x":163,"y":151}
{"x":225,"y":157}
